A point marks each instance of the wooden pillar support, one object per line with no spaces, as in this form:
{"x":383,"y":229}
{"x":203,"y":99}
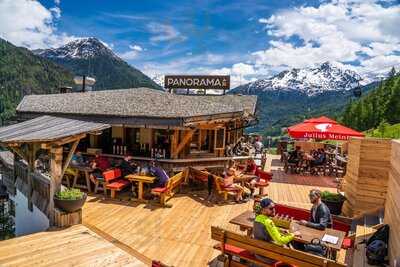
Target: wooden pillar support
{"x":186,"y":138}
{"x":55,"y":183}
{"x":174,"y":143}
{"x":69,"y":157}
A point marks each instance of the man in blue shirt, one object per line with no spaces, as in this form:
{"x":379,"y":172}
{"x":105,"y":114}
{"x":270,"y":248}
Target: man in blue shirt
{"x":160,"y":174}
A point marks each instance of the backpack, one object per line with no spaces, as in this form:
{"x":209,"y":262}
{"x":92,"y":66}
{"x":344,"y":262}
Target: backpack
{"x":377,"y":246}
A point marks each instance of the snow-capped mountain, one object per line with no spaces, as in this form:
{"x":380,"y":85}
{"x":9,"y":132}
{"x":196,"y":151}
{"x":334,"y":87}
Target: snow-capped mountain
{"x":158,"y":79}
{"x":82,"y":48}
{"x":92,"y":57}
{"x":311,"y":81}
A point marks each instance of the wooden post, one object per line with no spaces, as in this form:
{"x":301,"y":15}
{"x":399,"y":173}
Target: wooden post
{"x":186,"y":138}
{"x":55,"y":183}
{"x":174,"y":143}
{"x":31,"y":168}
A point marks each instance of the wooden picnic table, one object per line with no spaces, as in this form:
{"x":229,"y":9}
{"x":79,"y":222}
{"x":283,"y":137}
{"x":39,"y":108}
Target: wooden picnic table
{"x":140,"y":179}
{"x":246,"y":219}
{"x":86,"y":169}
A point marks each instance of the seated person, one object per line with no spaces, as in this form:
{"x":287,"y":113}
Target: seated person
{"x":295,"y":155}
{"x":229,"y":174}
{"x":251,"y":166}
{"x":160,"y":174}
{"x":127,"y":166}
{"x":320,"y":213}
{"x":99,"y":165}
{"x":319,"y":159}
{"x":77,"y":158}
{"x":265,"y":229}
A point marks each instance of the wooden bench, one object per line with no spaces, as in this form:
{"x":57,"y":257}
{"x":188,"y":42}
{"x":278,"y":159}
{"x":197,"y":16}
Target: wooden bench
{"x":168,"y":191}
{"x":244,"y":247}
{"x":222,"y":190}
{"x":113,"y":181}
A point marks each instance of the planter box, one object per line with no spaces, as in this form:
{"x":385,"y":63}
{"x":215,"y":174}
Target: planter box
{"x":70,"y":205}
{"x":335,"y":207}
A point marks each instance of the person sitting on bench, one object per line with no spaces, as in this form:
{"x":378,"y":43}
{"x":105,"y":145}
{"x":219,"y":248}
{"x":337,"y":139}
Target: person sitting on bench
{"x":160,"y":174}
{"x":265,"y":229}
{"x":320,"y":213}
{"x":229,"y":174}
{"x":295,"y":155}
{"x":127,"y":166}
{"x":99,"y":165}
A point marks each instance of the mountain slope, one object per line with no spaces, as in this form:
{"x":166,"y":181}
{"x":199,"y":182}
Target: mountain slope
{"x":379,"y":107}
{"x":22,"y":72}
{"x":297,"y":94}
{"x":89,"y":56}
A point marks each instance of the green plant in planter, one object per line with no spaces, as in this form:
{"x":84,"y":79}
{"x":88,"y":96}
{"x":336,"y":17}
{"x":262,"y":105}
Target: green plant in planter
{"x":332,"y":197}
{"x":70,"y":194}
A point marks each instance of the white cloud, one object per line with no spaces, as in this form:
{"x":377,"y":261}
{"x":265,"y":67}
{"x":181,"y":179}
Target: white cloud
{"x":136,"y":48}
{"x":164,"y":33}
{"x":337,"y":31}
{"x":132,"y":53}
{"x":28,"y":23}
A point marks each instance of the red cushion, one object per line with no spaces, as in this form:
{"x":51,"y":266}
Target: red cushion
{"x":265,"y":175}
{"x":262,"y":183}
{"x":237,"y":251}
{"x":117,"y":173}
{"x":347,"y":243}
{"x":119,"y":184}
{"x":109,"y":175}
{"x":159,"y":189}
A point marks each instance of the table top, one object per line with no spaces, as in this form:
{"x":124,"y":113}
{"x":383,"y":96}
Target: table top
{"x":81,"y":167}
{"x":140,"y":178}
{"x":246,"y":220}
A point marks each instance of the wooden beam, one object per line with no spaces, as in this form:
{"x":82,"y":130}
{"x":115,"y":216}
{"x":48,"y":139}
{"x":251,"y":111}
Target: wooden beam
{"x":55,"y":181}
{"x":69,"y":157}
{"x":186,"y":138}
{"x":20,"y":153}
{"x":69,"y":139}
{"x":174,"y":142}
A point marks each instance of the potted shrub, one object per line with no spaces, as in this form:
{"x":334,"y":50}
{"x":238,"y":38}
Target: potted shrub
{"x":334,"y":201}
{"x":70,"y":199}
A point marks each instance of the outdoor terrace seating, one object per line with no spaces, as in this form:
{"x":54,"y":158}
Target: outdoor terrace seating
{"x":114,"y":182}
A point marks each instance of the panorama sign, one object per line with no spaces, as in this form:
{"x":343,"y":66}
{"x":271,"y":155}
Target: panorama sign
{"x":221,"y":82}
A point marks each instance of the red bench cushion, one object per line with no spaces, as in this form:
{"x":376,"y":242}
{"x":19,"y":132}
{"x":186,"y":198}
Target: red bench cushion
{"x":237,"y":251}
{"x":118,"y":184}
{"x":262,"y":183}
{"x":159,"y":189}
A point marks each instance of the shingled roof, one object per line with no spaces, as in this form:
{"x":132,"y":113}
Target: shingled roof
{"x":137,"y":102}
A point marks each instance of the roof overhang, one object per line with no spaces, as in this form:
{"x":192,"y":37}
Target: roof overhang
{"x":47,"y":129}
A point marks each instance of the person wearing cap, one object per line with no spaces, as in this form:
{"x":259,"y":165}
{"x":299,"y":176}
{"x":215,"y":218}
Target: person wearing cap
{"x":127,"y":166}
{"x":265,"y":229}
{"x":320,"y":214}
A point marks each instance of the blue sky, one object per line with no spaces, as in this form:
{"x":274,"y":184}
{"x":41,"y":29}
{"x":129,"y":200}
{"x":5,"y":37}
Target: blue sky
{"x":246,"y":39}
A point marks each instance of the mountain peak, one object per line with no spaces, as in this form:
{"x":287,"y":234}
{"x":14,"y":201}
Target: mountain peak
{"x":81,"y":48}
{"x":314,"y":80}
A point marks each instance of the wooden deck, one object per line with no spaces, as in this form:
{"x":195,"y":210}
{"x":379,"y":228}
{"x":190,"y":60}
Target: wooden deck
{"x":75,"y":246}
{"x":178,"y":236}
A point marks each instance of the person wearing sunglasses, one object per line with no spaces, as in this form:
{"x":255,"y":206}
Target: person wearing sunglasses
{"x":265,"y":229}
{"x":320,"y":214}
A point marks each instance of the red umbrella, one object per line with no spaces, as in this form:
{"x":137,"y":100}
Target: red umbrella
{"x":322,"y":128}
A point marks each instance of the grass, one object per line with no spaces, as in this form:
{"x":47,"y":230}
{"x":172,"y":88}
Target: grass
{"x":389,"y":131}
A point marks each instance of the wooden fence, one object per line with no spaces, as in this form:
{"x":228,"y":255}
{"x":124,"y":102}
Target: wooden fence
{"x":392,"y":206}
{"x":367,"y":175}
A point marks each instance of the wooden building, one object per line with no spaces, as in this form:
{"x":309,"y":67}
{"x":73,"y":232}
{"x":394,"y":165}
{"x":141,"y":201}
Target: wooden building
{"x":151,"y":123}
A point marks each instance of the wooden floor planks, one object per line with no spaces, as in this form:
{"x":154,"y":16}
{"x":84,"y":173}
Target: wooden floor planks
{"x":117,"y":233}
{"x":74,"y":246}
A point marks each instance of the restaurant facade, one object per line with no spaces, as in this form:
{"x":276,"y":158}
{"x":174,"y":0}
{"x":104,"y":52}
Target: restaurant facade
{"x":151,"y":124}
